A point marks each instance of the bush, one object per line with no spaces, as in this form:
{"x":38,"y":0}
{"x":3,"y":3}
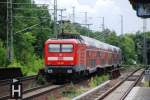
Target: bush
{"x":31,"y":67}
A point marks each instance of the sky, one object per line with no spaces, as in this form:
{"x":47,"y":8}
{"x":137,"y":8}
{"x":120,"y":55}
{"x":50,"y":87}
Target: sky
{"x":111,"y":10}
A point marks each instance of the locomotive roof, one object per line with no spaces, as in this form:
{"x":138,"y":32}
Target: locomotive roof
{"x":87,"y":40}
{"x":60,"y":40}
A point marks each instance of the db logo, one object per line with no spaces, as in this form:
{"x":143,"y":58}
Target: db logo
{"x":60,"y":58}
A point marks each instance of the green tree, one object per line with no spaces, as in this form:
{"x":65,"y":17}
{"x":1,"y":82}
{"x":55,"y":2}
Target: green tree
{"x":2,"y":54}
{"x":112,"y":39}
{"x":128,"y":49}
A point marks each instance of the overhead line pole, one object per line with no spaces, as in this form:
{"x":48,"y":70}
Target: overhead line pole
{"x":145,"y":42}
{"x":88,"y":26}
{"x":121,"y":24}
{"x":11,"y":32}
{"x":61,"y":15}
{"x":85,"y":17}
{"x":55,"y":17}
{"x":73,"y":14}
{"x":7,"y":21}
{"x":10,"y":51}
{"x":103,"y":23}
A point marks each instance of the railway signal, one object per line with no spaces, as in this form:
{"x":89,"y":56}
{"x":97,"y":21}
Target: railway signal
{"x":16,"y":89}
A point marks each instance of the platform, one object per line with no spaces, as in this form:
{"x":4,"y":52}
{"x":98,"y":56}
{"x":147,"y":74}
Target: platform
{"x":139,"y":93}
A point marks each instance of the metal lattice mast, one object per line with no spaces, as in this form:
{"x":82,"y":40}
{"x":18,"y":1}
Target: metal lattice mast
{"x":10,"y":51}
{"x":85,"y":17}
{"x":7,"y":20}
{"x":61,"y":18}
{"x":55,"y":17}
{"x":103,"y":23}
{"x":11,"y":33}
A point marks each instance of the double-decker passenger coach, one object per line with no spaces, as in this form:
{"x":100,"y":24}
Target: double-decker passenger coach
{"x":73,"y":53}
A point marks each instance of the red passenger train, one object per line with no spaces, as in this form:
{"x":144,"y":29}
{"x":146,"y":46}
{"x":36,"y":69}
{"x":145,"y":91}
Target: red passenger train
{"x":76,"y":53}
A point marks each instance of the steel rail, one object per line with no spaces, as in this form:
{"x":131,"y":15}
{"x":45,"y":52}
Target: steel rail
{"x":115,"y":87}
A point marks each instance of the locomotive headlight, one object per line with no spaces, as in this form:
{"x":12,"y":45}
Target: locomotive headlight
{"x":68,"y":58}
{"x":50,"y":71}
{"x":69,"y":71}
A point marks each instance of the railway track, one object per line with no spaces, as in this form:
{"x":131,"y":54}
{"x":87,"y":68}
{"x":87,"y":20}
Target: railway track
{"x":5,"y":85}
{"x":30,"y":93}
{"x":35,"y":92}
{"x":118,"y":92}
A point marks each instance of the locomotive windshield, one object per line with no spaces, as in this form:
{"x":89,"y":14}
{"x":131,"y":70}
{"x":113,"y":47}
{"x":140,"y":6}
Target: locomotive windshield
{"x":67,"y":47}
{"x":54,"y":47}
{"x":60,"y":47}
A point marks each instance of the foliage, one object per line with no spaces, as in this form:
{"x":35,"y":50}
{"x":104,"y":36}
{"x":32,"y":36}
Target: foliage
{"x":128,"y":49}
{"x":69,"y":27}
{"x":95,"y":81}
{"x":31,"y":67}
{"x":3,"y":20}
{"x":28,"y":42}
{"x":112,"y":39}
{"x":2,"y":54}
{"x":25,"y":46}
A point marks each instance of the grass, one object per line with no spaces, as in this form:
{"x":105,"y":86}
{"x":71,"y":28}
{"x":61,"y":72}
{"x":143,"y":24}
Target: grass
{"x":41,"y":80}
{"x":97,"y":80}
{"x":51,"y":97}
{"x":73,"y":91}
{"x":146,"y":84}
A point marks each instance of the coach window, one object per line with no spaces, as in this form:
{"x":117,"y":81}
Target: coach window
{"x":67,"y":48}
{"x":54,"y":47}
{"x":98,"y":54}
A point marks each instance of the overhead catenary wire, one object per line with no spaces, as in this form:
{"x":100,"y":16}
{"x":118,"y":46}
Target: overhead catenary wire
{"x":103,"y":23}
{"x":30,"y":27}
{"x":23,"y":3}
{"x":32,"y":17}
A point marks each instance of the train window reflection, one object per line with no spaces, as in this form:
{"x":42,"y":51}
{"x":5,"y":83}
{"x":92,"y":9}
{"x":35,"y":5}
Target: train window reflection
{"x":54,"y":47}
{"x":67,"y":47}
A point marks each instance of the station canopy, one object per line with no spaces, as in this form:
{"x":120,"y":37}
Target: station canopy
{"x":142,"y":7}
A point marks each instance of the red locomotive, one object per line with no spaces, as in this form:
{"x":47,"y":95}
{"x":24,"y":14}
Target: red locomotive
{"x":79,"y":54}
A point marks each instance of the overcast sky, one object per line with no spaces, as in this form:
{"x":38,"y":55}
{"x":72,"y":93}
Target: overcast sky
{"x":110,"y":9}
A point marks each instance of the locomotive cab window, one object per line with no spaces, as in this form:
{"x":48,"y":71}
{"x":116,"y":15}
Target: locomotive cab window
{"x":66,"y":47}
{"x":54,"y":47}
